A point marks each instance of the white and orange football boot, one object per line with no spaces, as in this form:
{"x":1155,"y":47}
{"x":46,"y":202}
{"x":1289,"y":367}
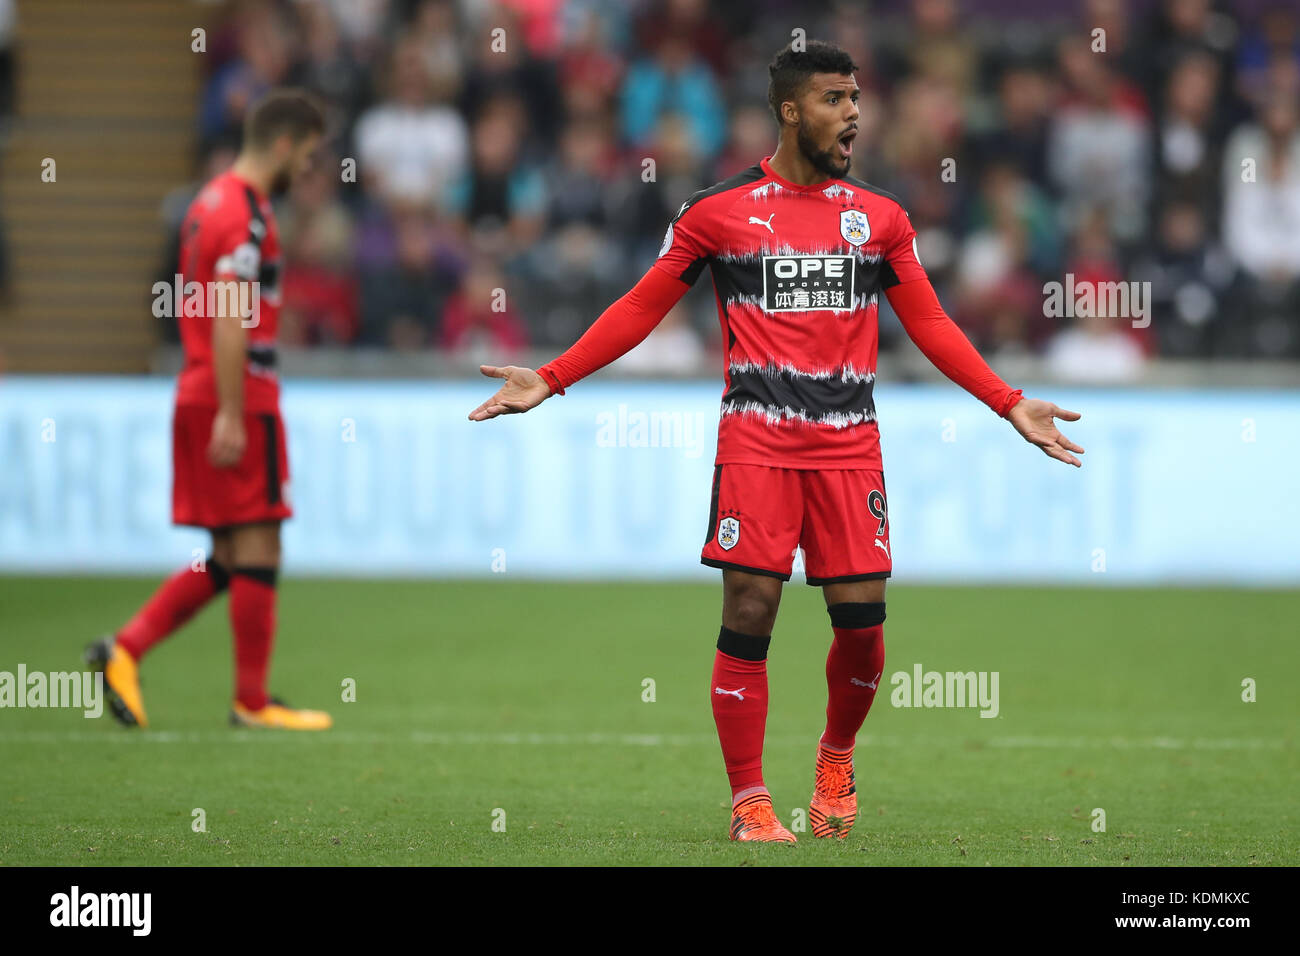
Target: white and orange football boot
{"x":834,"y":804}
{"x":276,"y":715}
{"x":753,"y":819}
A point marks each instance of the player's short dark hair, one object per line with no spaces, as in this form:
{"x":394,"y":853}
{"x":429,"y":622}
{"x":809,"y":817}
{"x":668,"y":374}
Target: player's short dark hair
{"x":790,"y":70}
{"x":292,"y":111}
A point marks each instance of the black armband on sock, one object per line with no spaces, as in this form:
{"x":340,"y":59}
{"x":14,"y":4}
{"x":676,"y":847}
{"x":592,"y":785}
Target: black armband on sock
{"x":857,"y":616}
{"x":747,"y":647}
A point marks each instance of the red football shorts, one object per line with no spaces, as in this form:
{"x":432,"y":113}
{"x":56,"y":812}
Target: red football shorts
{"x":759,"y":516}
{"x":254,"y":490}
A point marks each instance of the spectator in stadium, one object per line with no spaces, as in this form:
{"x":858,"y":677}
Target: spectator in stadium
{"x":1095,"y":351}
{"x":501,"y":65}
{"x":707,"y":37}
{"x":264,"y":61}
{"x":1188,"y":137}
{"x":435,"y":31}
{"x":1019,"y":134}
{"x":1100,"y":345}
{"x":1261,"y":182}
{"x":1191,"y":277}
{"x":1012,"y":245}
{"x":409,"y":265}
{"x":1272,"y":47}
{"x":1179,"y":27}
{"x":410,"y":146}
{"x":328,"y":67}
{"x":500,"y":197}
{"x":480,"y":320}
{"x":937,"y":46}
{"x":319,"y":286}
{"x":673,"y":80}
{"x":590,"y":67}
{"x":1099,"y":143}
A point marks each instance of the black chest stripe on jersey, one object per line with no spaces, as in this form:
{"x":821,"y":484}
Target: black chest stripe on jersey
{"x":839,"y":398}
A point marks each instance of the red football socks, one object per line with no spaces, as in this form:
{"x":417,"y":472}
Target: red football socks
{"x":854,"y":668}
{"x":252,"y":616}
{"x":739,"y":697}
{"x":179,"y":598}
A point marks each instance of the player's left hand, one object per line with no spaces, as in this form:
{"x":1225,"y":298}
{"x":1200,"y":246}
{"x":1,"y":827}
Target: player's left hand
{"x":1035,"y":420}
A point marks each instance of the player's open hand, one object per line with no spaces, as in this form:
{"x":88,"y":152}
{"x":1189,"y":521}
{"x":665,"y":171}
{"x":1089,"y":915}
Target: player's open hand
{"x":226,"y":446}
{"x":1035,"y":420}
{"x":524,"y":389}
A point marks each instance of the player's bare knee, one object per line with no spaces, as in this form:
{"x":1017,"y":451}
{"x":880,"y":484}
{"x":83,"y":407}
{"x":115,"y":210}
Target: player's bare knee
{"x":750,"y":603}
{"x":256,"y":546}
{"x":223,"y":552}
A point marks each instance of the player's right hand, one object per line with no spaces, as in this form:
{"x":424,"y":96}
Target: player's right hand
{"x":524,"y":389}
{"x":226,"y":446}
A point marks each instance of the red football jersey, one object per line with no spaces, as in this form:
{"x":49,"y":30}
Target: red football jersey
{"x":229,"y":234}
{"x":797,"y":273}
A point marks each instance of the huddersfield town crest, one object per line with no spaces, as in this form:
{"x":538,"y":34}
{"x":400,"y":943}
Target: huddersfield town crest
{"x":854,"y":227}
{"x":728,"y":533}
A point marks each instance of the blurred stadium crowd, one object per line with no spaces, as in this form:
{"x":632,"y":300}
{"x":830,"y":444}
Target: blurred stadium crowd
{"x":520,"y":166}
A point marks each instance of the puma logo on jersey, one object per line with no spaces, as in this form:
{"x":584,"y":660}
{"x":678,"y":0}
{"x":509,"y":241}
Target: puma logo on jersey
{"x":765,"y":223}
{"x":733,"y":693}
{"x":865,"y":683}
{"x":884,"y":547}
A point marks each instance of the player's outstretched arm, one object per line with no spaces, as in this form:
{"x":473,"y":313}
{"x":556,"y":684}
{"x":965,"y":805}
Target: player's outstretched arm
{"x":523,"y":389}
{"x":1035,"y":419}
{"x":944,"y":344}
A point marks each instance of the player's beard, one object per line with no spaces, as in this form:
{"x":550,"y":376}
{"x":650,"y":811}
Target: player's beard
{"x":282,"y":180}
{"x":826,"y":161}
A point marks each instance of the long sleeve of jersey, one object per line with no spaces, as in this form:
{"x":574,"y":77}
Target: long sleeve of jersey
{"x":620,"y":328}
{"x":946,"y":346}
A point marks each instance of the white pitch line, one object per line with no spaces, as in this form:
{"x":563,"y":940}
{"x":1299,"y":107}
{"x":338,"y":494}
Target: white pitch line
{"x":469,"y":738}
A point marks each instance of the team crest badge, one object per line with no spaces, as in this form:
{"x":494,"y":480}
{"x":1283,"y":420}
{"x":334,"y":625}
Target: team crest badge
{"x":728,"y":533}
{"x":854,"y":227}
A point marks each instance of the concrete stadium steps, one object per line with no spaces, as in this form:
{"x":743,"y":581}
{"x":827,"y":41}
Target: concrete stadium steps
{"x":108,"y":89}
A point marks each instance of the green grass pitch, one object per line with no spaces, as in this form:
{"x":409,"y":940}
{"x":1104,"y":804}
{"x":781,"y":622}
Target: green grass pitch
{"x":521,"y":702}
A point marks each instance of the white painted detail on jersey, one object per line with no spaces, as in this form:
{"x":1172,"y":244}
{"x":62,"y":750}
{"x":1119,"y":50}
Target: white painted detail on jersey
{"x":751,"y":256}
{"x":244,"y":261}
{"x":668,"y":241}
{"x":837,"y":189}
{"x":845,"y":373}
{"x":775,"y":414}
{"x":769,"y":188}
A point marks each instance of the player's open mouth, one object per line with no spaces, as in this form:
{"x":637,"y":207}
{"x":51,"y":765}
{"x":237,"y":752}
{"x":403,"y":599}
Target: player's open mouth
{"x":846,"y":142}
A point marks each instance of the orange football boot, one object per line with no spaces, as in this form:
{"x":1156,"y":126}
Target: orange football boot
{"x":277,"y":716}
{"x":834,"y":804}
{"x":753,"y":819}
{"x":121,"y":681}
